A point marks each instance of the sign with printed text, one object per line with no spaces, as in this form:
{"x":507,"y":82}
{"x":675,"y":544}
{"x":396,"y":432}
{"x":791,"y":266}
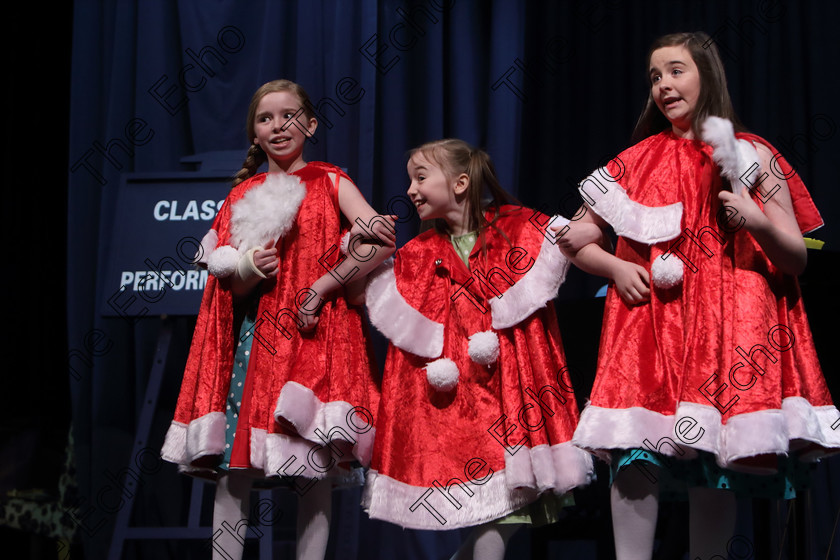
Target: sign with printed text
{"x":150,"y":254}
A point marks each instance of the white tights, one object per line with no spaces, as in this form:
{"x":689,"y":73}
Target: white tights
{"x":313,"y":521}
{"x":230,"y":518}
{"x":487,"y":542}
{"x":230,"y":515}
{"x":635,"y":505}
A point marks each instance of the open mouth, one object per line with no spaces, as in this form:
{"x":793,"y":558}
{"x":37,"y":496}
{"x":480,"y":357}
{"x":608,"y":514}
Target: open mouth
{"x":670,"y":102}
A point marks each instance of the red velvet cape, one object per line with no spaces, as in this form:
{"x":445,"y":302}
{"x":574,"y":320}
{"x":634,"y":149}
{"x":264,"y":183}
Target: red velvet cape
{"x":309,"y":399}
{"x":448,"y":459}
{"x":723,"y":362}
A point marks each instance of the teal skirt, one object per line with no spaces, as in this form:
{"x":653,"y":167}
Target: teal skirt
{"x":676,"y":476}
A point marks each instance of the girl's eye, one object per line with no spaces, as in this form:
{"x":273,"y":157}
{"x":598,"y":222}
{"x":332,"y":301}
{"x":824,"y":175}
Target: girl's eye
{"x":655,"y":79}
{"x":288,"y":115}
{"x":677,"y":71}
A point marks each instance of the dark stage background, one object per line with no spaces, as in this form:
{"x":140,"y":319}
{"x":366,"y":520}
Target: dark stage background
{"x":550,"y":89}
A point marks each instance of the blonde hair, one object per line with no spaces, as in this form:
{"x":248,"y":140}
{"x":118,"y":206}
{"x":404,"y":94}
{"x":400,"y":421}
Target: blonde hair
{"x":256,"y":156}
{"x":454,"y":157}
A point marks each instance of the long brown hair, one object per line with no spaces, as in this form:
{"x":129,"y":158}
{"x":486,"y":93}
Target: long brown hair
{"x":454,"y":157}
{"x":256,"y":156}
{"x":714,"y":95}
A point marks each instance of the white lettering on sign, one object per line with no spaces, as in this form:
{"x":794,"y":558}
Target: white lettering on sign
{"x":170,"y":210}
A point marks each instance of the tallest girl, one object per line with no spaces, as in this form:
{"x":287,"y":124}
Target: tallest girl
{"x":707,"y":376}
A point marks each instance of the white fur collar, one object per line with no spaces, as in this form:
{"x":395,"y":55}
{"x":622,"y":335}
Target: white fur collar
{"x":266,"y":212}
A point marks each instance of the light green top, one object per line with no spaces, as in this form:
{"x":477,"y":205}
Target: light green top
{"x":464,"y":244}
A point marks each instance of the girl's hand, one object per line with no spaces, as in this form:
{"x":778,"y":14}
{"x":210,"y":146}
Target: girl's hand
{"x":577,"y":236}
{"x":382,"y":230}
{"x":632,"y":282}
{"x":308,"y":307}
{"x":266,"y":260}
{"x":745,"y":206}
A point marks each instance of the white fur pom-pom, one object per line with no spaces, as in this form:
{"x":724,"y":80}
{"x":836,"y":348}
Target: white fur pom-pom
{"x":484,"y":347}
{"x":442,"y":374}
{"x":667,"y":272}
{"x":208,"y":245}
{"x":223,"y":261}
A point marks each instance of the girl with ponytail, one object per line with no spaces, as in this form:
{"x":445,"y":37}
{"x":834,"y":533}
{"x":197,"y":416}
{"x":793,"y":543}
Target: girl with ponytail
{"x":477,"y":410}
{"x":279,"y":356}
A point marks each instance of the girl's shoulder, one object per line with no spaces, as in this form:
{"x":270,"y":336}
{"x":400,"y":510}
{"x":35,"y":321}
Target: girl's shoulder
{"x":320,"y":168}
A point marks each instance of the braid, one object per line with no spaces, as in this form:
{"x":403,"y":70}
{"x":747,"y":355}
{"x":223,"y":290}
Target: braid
{"x":253,"y":160}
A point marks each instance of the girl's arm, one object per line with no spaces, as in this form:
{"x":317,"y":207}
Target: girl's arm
{"x":364,"y":253}
{"x":775,"y":229}
{"x":589,"y":228}
{"x":631,"y":280}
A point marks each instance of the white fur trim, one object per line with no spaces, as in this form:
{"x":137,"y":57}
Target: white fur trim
{"x":667,"y":272}
{"x":203,"y":436}
{"x":266,"y":212}
{"x":734,"y":157}
{"x":335,"y":421}
{"x":208,"y":245}
{"x":404,"y":326}
{"x":442,"y":374}
{"x":748,"y":160}
{"x":174,"y":447}
{"x":345,"y":243}
{"x":645,"y":224}
{"x":534,"y":290}
{"x":745,"y":435}
{"x":484,"y":347}
{"x":558,"y":468}
{"x":223,"y":261}
{"x":391,"y":500}
{"x":258,"y":448}
{"x":289,"y":456}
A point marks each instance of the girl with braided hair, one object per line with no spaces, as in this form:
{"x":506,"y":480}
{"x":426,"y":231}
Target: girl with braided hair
{"x":297,"y":383}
